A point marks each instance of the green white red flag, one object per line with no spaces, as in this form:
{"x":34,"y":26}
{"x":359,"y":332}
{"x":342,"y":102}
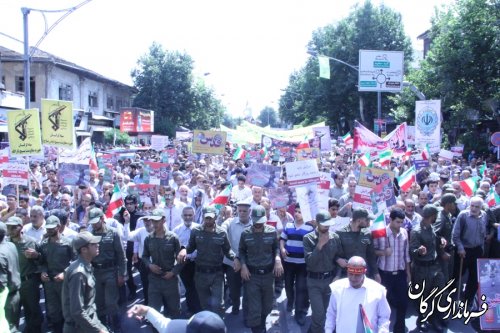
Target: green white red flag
{"x":407,"y":179}
{"x":364,"y":160}
{"x":493,"y":198}
{"x":426,"y":153}
{"x":93,"y":160}
{"x":348,"y":140}
{"x":239,"y":154}
{"x":385,"y":157}
{"x":367,"y":326}
{"x":469,"y":185}
{"x":304,"y":144}
{"x":222,"y":198}
{"x":406,"y":156}
{"x":378,"y":227}
{"x":116,"y":202}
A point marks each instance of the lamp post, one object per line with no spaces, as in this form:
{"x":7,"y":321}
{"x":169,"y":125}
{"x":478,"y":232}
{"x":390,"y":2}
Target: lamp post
{"x":412,"y":87}
{"x":27,"y":54}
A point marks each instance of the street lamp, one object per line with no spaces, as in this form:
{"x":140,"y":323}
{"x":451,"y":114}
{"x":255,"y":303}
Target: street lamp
{"x":27,"y":55}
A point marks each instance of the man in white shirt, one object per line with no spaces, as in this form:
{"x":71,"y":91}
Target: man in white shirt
{"x":36,"y":229}
{"x":349,"y":293}
{"x":241,"y":192}
{"x":173,"y":209}
{"x":183,"y":231}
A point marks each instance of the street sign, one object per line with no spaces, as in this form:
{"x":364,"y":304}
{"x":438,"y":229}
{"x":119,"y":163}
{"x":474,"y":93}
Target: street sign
{"x":380,"y":70}
{"x":495,"y":139}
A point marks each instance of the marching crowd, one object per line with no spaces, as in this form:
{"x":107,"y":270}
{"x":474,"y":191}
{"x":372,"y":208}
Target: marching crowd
{"x":61,"y":238}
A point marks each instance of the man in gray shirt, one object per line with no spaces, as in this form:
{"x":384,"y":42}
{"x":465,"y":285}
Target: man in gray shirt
{"x":469,"y":232}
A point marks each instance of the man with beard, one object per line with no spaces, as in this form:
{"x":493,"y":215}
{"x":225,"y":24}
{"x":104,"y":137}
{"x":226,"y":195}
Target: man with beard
{"x":28,"y":253}
{"x":56,"y":255}
{"x":320,"y":252}
{"x":212,"y":244}
{"x":130,"y":215}
{"x":110,"y":269}
{"x":260,"y":263}
{"x":183,"y":231}
{"x":78,"y":295}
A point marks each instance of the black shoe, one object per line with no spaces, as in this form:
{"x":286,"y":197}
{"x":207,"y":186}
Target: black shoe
{"x":289,"y":307}
{"x":301,"y":320}
{"x":235,"y":311}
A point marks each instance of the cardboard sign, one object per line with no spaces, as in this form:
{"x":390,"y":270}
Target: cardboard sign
{"x":15,"y":173}
{"x":159,"y":142}
{"x":488,"y":276}
{"x":302,"y":172}
{"x":263,"y":175}
{"x":57,"y":123}
{"x":209,"y":142}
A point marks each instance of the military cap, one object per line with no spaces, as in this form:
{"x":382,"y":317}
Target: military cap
{"x":95,"y":215}
{"x":14,"y":220}
{"x":259,"y":214}
{"x":52,"y":222}
{"x":429,"y":210}
{"x":324,"y":218}
{"x":85,"y":238}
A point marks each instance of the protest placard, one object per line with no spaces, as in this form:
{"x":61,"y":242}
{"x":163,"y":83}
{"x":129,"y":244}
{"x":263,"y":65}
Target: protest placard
{"x":308,"y":154}
{"x":57,"y":123}
{"x":147,"y":193}
{"x":375,"y":189}
{"x":73,"y":174}
{"x":209,"y":142}
{"x":157,"y":173}
{"x":446,"y":154}
{"x":159,"y":142}
{"x":263,"y":175}
{"x":302,"y":172}
{"x":280,"y":197}
{"x":488,"y":271}
{"x":307,"y":197}
{"x":15,"y":173}
{"x":24,"y":132}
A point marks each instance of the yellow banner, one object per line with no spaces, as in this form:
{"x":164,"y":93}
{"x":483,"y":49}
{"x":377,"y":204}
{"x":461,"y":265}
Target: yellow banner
{"x":308,"y":154}
{"x":57,"y":123}
{"x":209,"y":142}
{"x":24,"y":132}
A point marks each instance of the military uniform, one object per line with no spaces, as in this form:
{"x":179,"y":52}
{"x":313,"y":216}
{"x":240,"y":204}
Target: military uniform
{"x":55,"y":258}
{"x":29,"y":290}
{"x":79,"y":292}
{"x":212,"y":246}
{"x":358,"y":244}
{"x":443,"y":228}
{"x":426,"y":267}
{"x":9,"y":281}
{"x":258,"y":250}
{"x":321,"y":269}
{"x":162,"y":252}
{"x":108,"y":265}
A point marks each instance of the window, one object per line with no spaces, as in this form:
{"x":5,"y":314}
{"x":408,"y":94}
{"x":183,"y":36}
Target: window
{"x":110,"y":103}
{"x":93,"y":100}
{"x":121,"y":103}
{"x":20,"y":86}
{"x":65,"y":92}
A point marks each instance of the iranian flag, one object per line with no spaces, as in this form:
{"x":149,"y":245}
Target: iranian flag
{"x":426,"y":153}
{"x":263,"y":152}
{"x":385,"y":157}
{"x":222,"y":198}
{"x":469,"y":186}
{"x":239,"y":154}
{"x":378,"y":227}
{"x":482,"y":170}
{"x":93,"y":160}
{"x":347,"y":139}
{"x":407,"y":179}
{"x":406,"y":156}
{"x":493,"y":199}
{"x":367,"y":326}
{"x":116,"y":202}
{"x":364,"y":160}
{"x":304,"y":144}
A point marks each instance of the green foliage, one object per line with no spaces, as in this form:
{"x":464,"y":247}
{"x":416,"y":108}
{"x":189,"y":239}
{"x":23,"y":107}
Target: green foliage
{"x":309,"y":99}
{"x":122,"y":138}
{"x":268,"y":116}
{"x":166,"y":85}
{"x":462,"y":68}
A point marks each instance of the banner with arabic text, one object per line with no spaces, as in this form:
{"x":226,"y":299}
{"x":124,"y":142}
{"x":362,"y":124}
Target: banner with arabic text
{"x":25,"y":137}
{"x":365,"y":141}
{"x":57,"y":123}
{"x":209,"y":142}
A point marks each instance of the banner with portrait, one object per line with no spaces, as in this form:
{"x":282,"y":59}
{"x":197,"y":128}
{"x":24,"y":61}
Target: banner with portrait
{"x":375,"y":189}
{"x":263,"y":175}
{"x":322,"y":138}
{"x":57,"y":123}
{"x":156,"y":173}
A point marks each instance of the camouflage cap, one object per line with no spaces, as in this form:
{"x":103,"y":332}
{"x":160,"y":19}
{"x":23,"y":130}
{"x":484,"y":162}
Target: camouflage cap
{"x":259,"y":214}
{"x":14,"y":220}
{"x":52,"y":222}
{"x":85,"y":238}
{"x":95,"y":215}
{"x":209,"y":211}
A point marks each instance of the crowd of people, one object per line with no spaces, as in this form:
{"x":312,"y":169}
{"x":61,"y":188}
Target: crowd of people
{"x":238,"y":256}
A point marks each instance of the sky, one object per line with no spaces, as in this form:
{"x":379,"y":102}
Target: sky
{"x":249,"y":47}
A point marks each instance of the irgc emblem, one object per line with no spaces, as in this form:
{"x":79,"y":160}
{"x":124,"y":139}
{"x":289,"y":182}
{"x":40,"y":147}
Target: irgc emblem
{"x":427,"y":121}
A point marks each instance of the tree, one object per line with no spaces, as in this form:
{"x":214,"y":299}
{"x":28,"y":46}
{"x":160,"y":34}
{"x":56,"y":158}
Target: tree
{"x":267,"y":117}
{"x":309,"y":99}
{"x":166,"y":85}
{"x":462,"y":69}
{"x":114,"y":136}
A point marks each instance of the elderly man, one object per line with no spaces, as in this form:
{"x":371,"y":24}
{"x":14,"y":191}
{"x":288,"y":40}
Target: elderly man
{"x":352,"y":293}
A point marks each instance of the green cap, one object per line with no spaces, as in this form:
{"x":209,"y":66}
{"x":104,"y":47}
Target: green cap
{"x":52,"y":222}
{"x":324,"y":218}
{"x":259,"y":214}
{"x":209,"y":211}
{"x":156,"y":214}
{"x":85,"y":238}
{"x":14,"y":220}
{"x":95,"y":215}
{"x":429,"y":210}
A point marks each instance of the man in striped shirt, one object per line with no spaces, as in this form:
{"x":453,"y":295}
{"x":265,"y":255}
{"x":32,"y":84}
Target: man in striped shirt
{"x":394,"y":265}
{"x":292,"y":251}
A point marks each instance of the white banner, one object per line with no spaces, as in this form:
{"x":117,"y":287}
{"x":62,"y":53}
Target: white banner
{"x":428,"y":124}
{"x":159,"y":142}
{"x":302,"y":172}
{"x":322,"y":137}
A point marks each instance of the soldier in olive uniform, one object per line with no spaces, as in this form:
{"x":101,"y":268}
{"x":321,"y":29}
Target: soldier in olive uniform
{"x":425,"y":248}
{"x":356,"y":240}
{"x":78,"y":294}
{"x":321,"y":248}
{"x":161,"y":248}
{"x":9,"y":281}
{"x":110,"y":269}
{"x":212,"y":244}
{"x":28,"y":253}
{"x":259,"y":258}
{"x":443,"y":228}
{"x":56,"y":255}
